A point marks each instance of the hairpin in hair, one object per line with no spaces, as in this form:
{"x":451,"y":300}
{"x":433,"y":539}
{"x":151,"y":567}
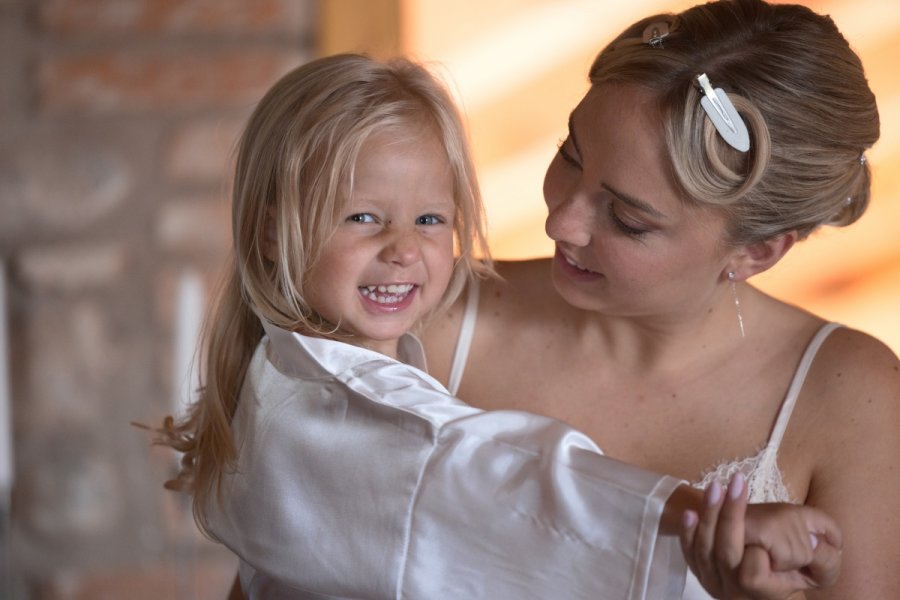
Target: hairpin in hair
{"x":724,"y":115}
{"x":862,"y":159}
{"x":655,"y":32}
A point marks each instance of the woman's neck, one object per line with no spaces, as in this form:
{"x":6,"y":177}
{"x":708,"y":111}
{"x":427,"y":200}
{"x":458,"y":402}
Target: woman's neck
{"x":669,"y":342}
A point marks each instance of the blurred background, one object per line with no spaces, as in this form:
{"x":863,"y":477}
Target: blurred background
{"x":117,"y":122}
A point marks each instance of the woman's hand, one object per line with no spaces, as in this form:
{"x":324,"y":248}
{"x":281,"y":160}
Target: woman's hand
{"x":760,"y":551}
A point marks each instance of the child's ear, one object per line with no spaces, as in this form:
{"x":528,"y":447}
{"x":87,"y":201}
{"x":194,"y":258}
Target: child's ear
{"x":757,"y":257}
{"x":270,"y":236}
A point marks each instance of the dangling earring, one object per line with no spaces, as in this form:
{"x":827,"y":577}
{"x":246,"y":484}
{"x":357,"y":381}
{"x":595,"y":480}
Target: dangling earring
{"x":737,"y":302}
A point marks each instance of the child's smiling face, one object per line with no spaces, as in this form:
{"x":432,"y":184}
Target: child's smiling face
{"x":391,"y":258}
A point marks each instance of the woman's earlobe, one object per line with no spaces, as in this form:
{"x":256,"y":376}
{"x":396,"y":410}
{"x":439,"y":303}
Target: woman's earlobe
{"x":761,"y":256}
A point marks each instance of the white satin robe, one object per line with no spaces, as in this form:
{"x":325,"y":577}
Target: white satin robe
{"x":360,"y":477}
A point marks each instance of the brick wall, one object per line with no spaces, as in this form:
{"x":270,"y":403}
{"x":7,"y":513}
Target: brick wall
{"x":117,"y":120}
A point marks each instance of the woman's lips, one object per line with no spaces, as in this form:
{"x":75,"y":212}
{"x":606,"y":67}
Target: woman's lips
{"x":573,"y":269}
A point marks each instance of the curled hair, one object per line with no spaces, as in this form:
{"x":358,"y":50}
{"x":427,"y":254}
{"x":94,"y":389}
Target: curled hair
{"x":295,"y":162}
{"x":800,"y":89}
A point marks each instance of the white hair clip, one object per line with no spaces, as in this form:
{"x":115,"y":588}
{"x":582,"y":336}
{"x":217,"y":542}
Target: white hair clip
{"x":724,"y":115}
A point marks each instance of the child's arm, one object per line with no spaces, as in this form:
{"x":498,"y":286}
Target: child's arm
{"x":761,"y":550}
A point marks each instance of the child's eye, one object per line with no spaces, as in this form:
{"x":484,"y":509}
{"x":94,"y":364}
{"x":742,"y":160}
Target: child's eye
{"x":622,"y":225}
{"x":361,"y":218}
{"x":561,"y":147}
{"x":429,"y":220}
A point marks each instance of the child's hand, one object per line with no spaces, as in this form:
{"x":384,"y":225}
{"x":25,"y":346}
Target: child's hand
{"x":765,"y":551}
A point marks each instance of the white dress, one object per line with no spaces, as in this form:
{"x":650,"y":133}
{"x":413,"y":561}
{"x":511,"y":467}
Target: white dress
{"x":764,"y":479}
{"x":360,"y":477}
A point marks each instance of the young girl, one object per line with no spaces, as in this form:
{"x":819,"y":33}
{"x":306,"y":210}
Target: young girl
{"x":323,"y":454}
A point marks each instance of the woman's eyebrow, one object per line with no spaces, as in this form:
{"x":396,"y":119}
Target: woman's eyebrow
{"x":634,"y":202}
{"x":630,"y":200}
{"x":572,"y":133}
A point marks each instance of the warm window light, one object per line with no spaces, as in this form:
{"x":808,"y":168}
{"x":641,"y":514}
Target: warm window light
{"x":519,"y":67}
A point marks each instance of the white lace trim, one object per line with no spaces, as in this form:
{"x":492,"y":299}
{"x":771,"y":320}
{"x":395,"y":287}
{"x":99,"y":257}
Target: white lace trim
{"x":765,"y":482}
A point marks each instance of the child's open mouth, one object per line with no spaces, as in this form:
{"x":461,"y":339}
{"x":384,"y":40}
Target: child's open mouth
{"x":393,"y":293}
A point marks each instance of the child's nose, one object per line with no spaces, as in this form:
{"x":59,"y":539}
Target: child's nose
{"x":402,"y":249}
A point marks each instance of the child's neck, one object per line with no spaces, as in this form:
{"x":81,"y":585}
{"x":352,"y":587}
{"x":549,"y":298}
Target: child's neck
{"x":389,"y":348}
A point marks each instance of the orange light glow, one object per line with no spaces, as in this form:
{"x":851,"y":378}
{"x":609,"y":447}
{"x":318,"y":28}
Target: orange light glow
{"x":519,"y":66}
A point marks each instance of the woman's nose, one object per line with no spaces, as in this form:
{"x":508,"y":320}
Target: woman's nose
{"x":570,"y":221}
{"x":402,"y":248}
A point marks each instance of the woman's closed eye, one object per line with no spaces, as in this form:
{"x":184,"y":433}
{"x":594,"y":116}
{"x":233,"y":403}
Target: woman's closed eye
{"x":566,"y":155}
{"x":622,"y":225}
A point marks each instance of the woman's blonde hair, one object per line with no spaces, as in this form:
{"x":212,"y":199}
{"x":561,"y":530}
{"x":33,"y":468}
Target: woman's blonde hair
{"x":797,"y":84}
{"x":295,"y":159}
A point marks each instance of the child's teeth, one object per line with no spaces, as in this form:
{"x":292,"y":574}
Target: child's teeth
{"x":387,"y":294}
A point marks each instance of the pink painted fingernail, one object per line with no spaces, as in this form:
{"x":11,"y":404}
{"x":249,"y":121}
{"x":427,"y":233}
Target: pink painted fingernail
{"x":813,"y":540}
{"x":713,"y":494}
{"x":736,"y":488}
{"x":689,"y":519}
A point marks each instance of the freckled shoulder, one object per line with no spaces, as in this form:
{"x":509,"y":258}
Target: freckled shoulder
{"x":854,"y":369}
{"x":522,"y":295}
{"x":851,"y":434}
{"x":851,"y":394}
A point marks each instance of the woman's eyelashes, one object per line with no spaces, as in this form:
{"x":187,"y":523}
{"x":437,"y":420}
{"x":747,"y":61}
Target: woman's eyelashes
{"x":622,"y":225}
{"x":566,"y":156}
{"x":616,"y":220}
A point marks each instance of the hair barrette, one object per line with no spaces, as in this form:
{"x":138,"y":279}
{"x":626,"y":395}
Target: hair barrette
{"x":655,"y":32}
{"x":724,"y":115}
{"x":862,"y":159}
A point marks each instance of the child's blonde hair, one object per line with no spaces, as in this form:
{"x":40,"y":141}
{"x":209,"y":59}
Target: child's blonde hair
{"x":298,"y":149}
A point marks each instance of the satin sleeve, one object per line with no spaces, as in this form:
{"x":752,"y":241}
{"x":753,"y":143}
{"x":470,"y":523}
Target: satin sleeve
{"x":375,"y":483}
{"x":513,"y":505}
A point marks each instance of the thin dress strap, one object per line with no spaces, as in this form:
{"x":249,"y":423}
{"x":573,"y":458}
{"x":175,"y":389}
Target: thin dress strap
{"x":787,"y":407}
{"x":464,"y":341}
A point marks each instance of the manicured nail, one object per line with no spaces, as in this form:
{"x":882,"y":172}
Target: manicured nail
{"x":813,"y":540}
{"x":713,"y":494}
{"x":689,"y":519}
{"x":736,"y":487}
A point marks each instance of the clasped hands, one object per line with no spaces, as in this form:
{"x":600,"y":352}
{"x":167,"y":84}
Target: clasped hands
{"x":759,"y":551}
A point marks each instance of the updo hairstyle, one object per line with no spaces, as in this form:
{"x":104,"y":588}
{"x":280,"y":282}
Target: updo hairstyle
{"x":799,"y":88}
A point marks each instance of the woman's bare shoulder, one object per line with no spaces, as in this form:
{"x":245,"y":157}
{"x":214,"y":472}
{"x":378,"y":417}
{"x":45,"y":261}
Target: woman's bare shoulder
{"x":849,"y":430}
{"x":522,"y":287}
{"x":522,"y":293}
{"x":852,"y":399}
{"x":852,"y":360}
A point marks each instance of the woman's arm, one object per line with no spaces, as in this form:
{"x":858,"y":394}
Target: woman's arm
{"x":852,"y":434}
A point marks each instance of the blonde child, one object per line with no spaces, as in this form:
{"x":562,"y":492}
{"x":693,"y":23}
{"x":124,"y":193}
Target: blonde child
{"x":320,"y":450}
